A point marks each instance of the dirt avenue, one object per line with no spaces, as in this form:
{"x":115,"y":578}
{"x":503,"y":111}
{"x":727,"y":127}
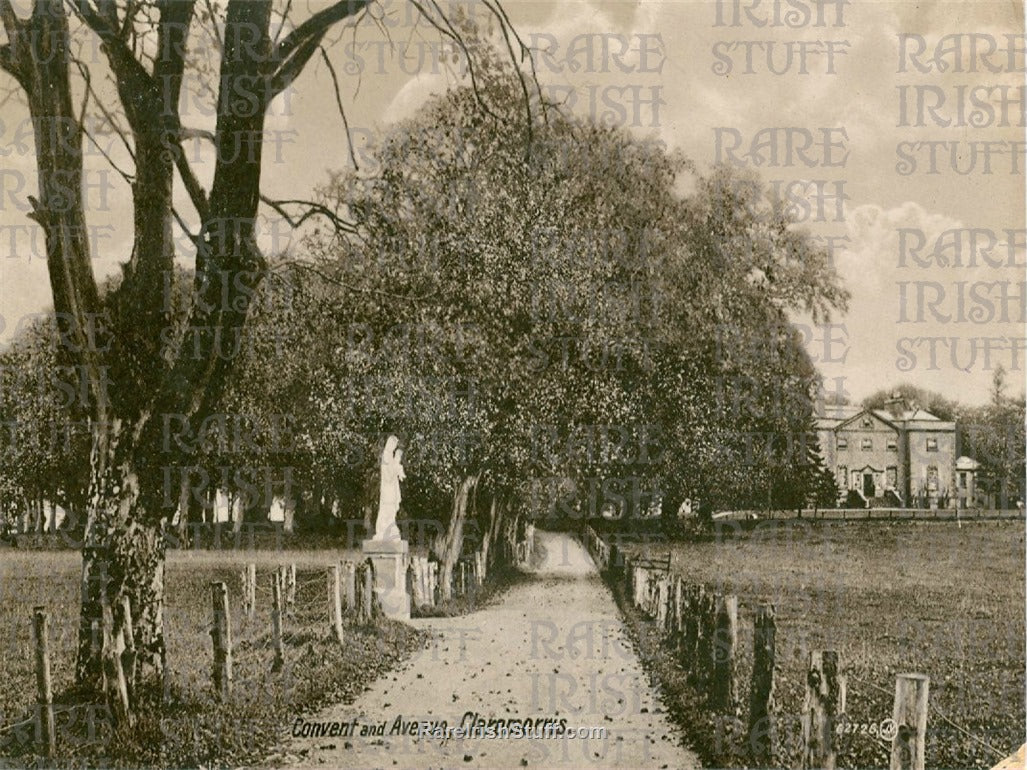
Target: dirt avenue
{"x":499,"y":670}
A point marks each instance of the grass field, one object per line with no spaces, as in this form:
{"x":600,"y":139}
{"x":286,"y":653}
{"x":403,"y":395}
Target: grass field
{"x":190,"y":729}
{"x":892,"y":598}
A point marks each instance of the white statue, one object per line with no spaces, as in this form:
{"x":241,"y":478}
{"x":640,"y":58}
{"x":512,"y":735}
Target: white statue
{"x":389,"y":497}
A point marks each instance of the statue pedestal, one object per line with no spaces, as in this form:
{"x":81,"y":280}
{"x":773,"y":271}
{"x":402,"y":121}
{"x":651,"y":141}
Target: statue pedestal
{"x":390,"y":576}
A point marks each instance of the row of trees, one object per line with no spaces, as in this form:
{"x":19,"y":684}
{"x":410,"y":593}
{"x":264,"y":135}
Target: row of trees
{"x":527,"y":299}
{"x":628,"y":352}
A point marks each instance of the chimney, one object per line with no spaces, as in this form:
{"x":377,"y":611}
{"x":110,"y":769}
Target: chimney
{"x":896,"y":405}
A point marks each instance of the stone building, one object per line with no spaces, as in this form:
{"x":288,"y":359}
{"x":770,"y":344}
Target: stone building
{"x":899,"y":456}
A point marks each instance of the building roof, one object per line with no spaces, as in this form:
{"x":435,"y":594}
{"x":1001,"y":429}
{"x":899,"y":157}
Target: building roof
{"x":911,"y":419}
{"x":905,"y":416}
{"x":935,"y":424}
{"x":840,"y":411}
{"x":965,"y":463}
{"x":835,"y":414}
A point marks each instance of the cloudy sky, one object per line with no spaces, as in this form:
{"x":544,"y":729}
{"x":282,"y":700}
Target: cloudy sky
{"x":863,"y":75}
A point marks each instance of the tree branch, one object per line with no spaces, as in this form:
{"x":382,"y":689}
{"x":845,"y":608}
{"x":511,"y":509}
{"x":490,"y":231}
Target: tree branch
{"x":12,"y":54}
{"x":313,"y":210}
{"x":197,"y":194}
{"x":457,"y":38}
{"x":135,"y":85}
{"x":517,"y":69}
{"x":342,"y":111}
{"x":314,"y":270}
{"x":8,"y":61}
{"x":103,"y":110}
{"x":316,"y":26}
{"x":289,"y":70}
{"x":214,"y":25}
{"x":59,"y":208}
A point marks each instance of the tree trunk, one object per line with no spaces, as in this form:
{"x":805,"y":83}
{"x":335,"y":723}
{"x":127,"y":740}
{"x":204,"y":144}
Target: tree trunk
{"x":497,"y":508}
{"x":122,"y":556}
{"x":237,"y":508}
{"x":449,"y":546}
{"x":129,"y":375}
{"x":289,"y":514}
{"x":186,"y":506}
{"x":369,"y":503}
{"x":25,"y":519}
{"x":51,"y":515}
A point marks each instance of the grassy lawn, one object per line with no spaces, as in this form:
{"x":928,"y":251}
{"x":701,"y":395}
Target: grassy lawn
{"x":902,"y":597}
{"x":189,"y":728}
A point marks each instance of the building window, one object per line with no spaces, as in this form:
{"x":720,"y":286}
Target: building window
{"x":932,"y":478}
{"x":891,"y":477}
{"x":893,"y":443}
{"x":843,"y":442}
{"x":843,"y":476}
{"x":932,"y":445}
{"x":868,"y":423}
{"x":866,"y":444}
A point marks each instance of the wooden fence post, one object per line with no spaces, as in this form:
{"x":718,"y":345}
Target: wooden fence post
{"x":47,"y":732}
{"x":691,"y":631}
{"x":724,"y":692}
{"x":349,"y":570}
{"x":703,"y":637}
{"x":410,"y":578}
{"x":249,"y":590}
{"x":358,"y":590}
{"x":290,"y":587}
{"x":221,"y":633}
{"x":276,"y":620}
{"x":761,"y":695}
{"x":244,"y":587}
{"x":335,"y":601}
{"x":825,"y":701}
{"x":910,"y":715}
{"x":252,"y":575}
{"x":679,"y":609}
{"x":414,"y":582}
{"x":651,"y":596}
{"x":414,"y":579}
{"x":367,"y":593}
{"x":662,"y":602}
{"x":646,"y":589}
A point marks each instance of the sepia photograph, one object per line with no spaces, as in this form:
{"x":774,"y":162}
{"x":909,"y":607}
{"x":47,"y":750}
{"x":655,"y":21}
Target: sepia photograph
{"x":513,"y":384}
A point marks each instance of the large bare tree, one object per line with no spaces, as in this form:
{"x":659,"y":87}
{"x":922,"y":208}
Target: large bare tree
{"x":135,"y":380}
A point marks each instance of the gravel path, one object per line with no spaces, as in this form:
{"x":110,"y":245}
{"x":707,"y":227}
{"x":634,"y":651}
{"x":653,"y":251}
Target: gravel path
{"x":551,"y":648}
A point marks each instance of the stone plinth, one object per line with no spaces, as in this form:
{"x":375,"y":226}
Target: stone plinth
{"x":390,"y":576}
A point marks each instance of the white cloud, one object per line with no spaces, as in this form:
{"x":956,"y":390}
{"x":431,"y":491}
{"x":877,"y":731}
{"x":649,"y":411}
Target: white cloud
{"x":889,"y":343}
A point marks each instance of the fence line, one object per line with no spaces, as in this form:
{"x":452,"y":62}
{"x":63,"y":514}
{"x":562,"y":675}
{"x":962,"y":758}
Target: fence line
{"x":700,"y":626}
{"x":350,"y":593}
{"x":873,"y":514}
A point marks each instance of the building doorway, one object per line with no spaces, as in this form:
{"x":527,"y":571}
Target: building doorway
{"x":868,"y":485}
